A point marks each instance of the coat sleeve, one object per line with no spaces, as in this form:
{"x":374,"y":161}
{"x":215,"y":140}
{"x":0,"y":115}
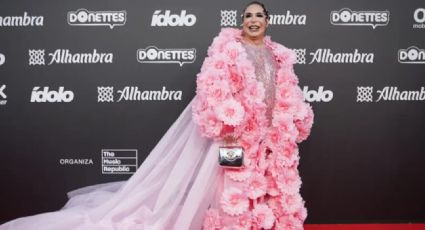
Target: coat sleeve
{"x":304,"y":123}
{"x":290,"y":96}
{"x":215,"y":109}
{"x":304,"y":117}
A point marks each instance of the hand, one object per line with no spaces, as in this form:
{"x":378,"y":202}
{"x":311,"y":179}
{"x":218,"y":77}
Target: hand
{"x":230,"y":139}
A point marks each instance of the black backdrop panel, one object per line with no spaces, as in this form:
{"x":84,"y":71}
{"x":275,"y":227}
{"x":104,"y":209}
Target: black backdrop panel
{"x":69,"y":104}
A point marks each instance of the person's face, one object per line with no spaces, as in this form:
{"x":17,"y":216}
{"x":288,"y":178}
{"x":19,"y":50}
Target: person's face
{"x":254,"y":22}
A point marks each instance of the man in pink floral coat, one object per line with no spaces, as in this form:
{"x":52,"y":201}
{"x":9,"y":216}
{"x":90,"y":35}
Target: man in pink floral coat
{"x":231,"y":104}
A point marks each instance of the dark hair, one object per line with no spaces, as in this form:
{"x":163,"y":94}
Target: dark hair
{"x":265,"y":11}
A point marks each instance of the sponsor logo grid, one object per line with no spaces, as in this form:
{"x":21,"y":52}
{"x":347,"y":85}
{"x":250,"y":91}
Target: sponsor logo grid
{"x":184,"y":17}
{"x":125,"y":161}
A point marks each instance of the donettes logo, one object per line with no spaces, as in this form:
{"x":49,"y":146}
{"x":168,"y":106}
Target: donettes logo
{"x":83,"y":17}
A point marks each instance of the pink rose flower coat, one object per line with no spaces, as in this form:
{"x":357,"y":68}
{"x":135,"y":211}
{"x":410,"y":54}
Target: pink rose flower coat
{"x":230,"y":101}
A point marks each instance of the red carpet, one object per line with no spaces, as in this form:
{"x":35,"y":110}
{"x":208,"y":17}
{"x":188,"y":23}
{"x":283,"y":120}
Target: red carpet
{"x":364,"y":227}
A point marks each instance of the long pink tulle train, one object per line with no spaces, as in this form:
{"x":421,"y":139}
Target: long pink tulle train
{"x":171,"y":190}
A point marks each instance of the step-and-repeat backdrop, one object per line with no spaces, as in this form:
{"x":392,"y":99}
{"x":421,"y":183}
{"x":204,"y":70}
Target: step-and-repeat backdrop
{"x":87,"y":88}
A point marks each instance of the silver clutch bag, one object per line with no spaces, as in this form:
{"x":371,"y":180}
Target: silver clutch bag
{"x":230,"y":156}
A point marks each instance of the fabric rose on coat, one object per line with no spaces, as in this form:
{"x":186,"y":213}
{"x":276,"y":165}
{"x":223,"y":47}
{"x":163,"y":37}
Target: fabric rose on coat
{"x":287,"y":100}
{"x":233,"y":50}
{"x":272,"y":188}
{"x":245,"y":220}
{"x":234,"y":201}
{"x":285,"y":57}
{"x":289,"y":182}
{"x":304,"y":125}
{"x":217,"y":92}
{"x":211,"y":125}
{"x":274,"y":138}
{"x":208,"y":78}
{"x":257,"y":186}
{"x":238,"y":175}
{"x":230,"y":111}
{"x":220,"y":62}
{"x":288,"y":223}
{"x":250,"y":148}
{"x":255,"y":93}
{"x":263,"y":216}
{"x":301,"y":214}
{"x":287,"y":76}
{"x":236,"y":80}
{"x":291,"y":203}
{"x":276,"y":205}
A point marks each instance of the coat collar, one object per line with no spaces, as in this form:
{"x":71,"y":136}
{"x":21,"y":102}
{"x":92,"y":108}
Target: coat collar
{"x":283,"y":56}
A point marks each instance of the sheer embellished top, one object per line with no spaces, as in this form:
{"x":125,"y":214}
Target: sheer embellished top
{"x":265,"y":68}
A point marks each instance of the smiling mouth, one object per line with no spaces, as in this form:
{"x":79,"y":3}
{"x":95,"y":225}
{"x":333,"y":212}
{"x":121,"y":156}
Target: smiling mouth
{"x":254,"y":28}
